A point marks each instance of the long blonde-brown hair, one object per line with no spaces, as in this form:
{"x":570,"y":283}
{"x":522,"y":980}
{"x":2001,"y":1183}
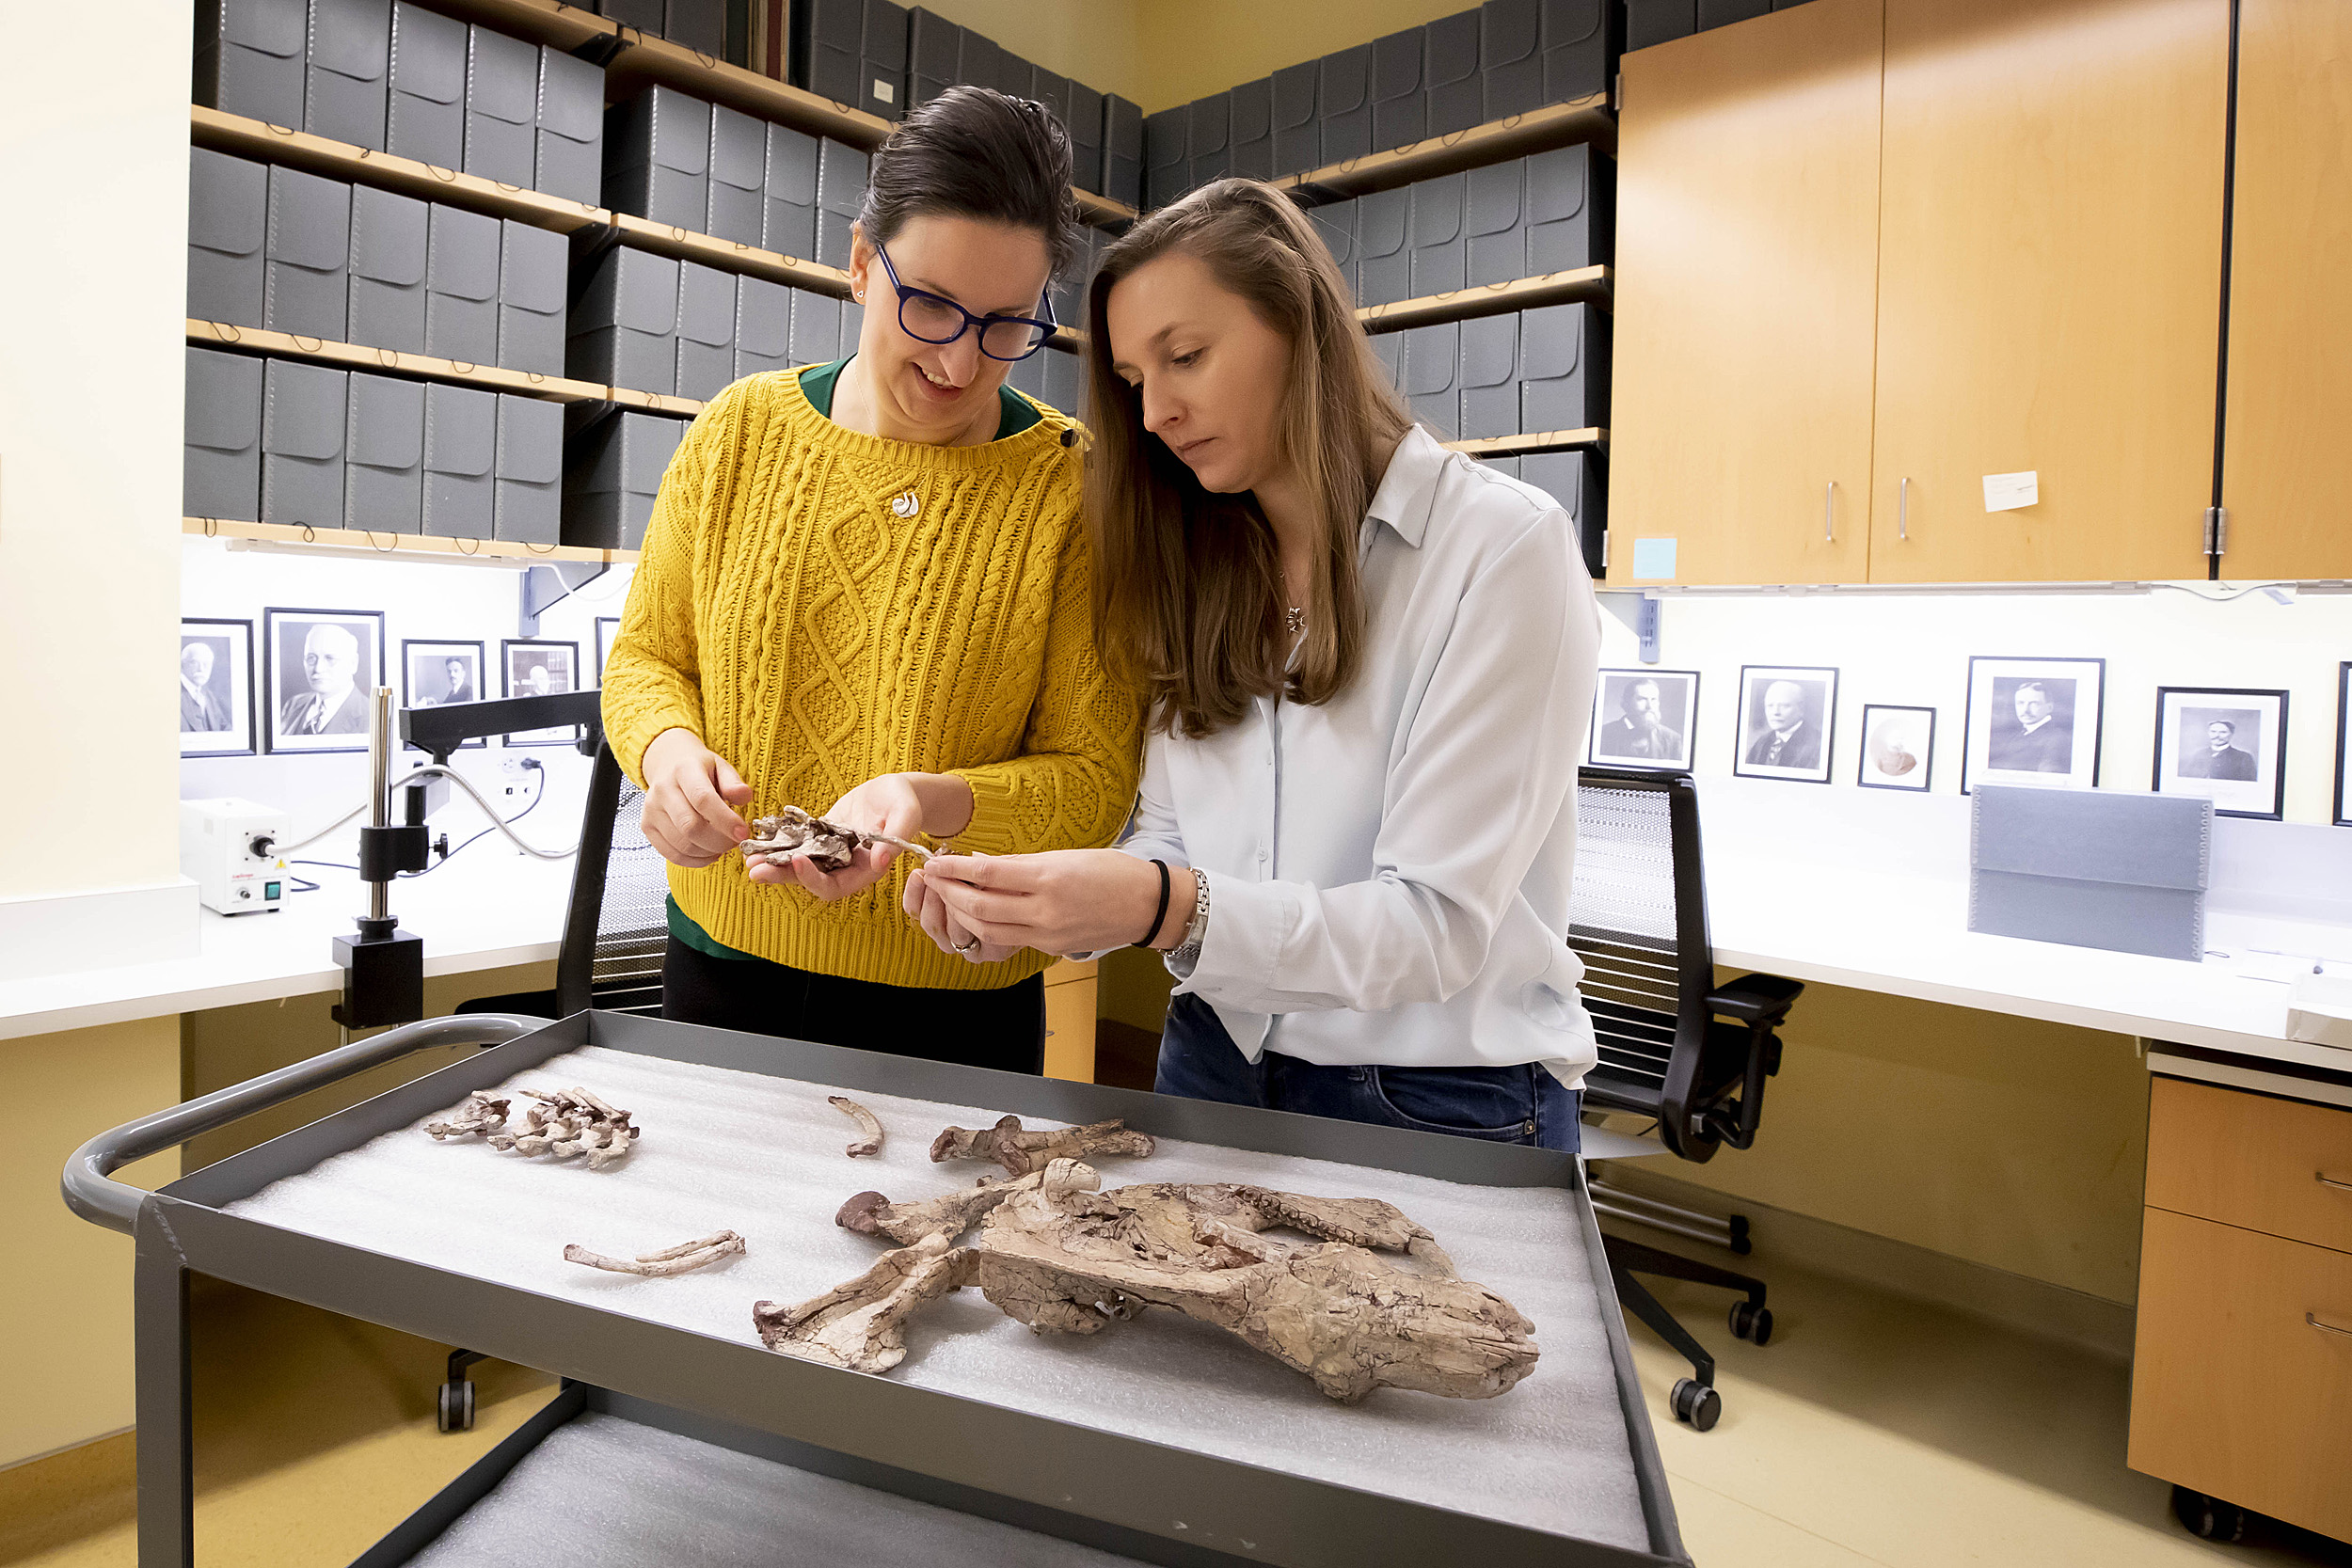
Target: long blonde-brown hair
{"x":1188,"y":600}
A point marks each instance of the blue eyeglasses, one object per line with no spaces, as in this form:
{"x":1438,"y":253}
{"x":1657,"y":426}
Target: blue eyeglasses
{"x":936,"y":319}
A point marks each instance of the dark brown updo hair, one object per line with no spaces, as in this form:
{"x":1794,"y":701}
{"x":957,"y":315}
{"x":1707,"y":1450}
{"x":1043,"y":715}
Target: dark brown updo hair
{"x":974,"y":153}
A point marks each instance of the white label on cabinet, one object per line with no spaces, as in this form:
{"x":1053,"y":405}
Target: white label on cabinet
{"x":2007,"y":492}
{"x":1654,"y":558}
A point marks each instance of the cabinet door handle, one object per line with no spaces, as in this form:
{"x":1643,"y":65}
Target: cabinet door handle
{"x":2312,"y":1319}
{"x":2327,"y":1180}
{"x":1829,"y":514}
{"x":1902,"y":511}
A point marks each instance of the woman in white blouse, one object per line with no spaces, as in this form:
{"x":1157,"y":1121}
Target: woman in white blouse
{"x":1370,"y":663}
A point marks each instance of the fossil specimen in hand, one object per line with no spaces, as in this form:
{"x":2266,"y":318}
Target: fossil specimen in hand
{"x":670,"y":1260}
{"x":827,"y":846}
{"x":1063,"y":1258}
{"x":1021,"y":1152}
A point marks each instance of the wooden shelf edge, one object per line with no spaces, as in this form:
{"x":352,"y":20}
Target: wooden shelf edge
{"x":396,"y":543}
{"x":1594,"y":439}
{"x":421,"y":367}
{"x":566,"y":27}
{"x":1580,"y":119}
{"x":276,"y":144}
{"x":1588,"y":284}
{"x":730,"y":255}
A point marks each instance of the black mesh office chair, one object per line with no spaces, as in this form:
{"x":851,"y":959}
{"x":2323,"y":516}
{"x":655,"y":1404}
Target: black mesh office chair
{"x":1674,"y":1047}
{"x":617,"y":924}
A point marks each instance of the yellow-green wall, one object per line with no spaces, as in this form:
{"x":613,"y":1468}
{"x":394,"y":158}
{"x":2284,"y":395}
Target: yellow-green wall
{"x":65,"y":1317}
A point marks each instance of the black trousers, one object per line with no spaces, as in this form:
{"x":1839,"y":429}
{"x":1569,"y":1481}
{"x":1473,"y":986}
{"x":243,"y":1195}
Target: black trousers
{"x":1003,"y":1028}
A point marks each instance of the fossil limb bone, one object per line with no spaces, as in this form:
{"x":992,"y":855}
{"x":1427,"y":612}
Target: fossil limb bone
{"x":862,"y":1324}
{"x":671,"y":1260}
{"x":1021,"y":1152}
{"x":867,"y":1124}
{"x":482,"y":1112}
{"x":568,"y":1123}
{"x":826,"y":846}
{"x":951,"y":1214}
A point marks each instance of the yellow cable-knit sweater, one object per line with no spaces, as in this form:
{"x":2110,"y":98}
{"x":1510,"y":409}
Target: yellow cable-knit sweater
{"x":822,"y":606}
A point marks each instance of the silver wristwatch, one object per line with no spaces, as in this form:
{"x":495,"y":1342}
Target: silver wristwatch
{"x":1187,"y":953}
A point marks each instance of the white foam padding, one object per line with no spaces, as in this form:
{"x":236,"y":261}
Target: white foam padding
{"x":609,"y":1493}
{"x":723,"y":1149}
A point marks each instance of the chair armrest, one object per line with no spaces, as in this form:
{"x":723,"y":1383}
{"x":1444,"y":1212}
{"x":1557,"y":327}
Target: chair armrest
{"x":1755,"y":998}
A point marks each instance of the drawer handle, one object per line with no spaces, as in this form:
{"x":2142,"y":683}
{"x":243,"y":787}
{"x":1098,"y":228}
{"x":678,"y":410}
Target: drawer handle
{"x":2312,"y":1319}
{"x":2327,"y":1180}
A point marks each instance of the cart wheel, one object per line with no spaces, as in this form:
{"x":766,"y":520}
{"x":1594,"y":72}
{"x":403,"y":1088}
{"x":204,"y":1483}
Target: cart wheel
{"x":1751,"y":1323}
{"x":2207,"y":1517}
{"x":457,"y":1413}
{"x":1696,"y":1404}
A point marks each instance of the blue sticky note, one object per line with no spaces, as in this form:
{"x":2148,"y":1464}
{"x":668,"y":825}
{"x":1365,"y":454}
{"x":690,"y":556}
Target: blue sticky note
{"x":1653,"y":558}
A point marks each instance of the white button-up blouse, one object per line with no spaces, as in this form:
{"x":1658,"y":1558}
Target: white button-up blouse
{"x":1389,"y":873}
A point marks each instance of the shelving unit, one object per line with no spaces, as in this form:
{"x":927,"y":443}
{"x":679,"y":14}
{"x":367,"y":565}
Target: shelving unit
{"x":1545,"y":440}
{"x":410,"y":545}
{"x":1584,"y":119}
{"x":254,"y":138}
{"x":421,"y":367}
{"x":1589,"y":285}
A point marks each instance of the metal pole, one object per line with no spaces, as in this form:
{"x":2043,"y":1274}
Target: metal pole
{"x":380,"y":787}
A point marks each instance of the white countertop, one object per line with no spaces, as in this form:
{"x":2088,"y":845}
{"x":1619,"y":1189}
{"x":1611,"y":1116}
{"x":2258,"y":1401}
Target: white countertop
{"x":492,"y":908}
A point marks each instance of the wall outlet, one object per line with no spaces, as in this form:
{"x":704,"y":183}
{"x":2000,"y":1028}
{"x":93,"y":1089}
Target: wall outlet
{"x":518,"y":784}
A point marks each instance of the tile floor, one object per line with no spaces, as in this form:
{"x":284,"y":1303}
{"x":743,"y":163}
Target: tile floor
{"x":1872,"y":1429}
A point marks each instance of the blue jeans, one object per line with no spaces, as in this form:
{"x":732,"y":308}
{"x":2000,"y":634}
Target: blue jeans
{"x":1501,"y":1104}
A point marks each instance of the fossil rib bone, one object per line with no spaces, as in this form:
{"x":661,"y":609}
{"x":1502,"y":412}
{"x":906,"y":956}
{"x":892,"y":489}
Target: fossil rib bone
{"x":482,"y":1112}
{"x":1021,"y":1152}
{"x":867,"y":1124}
{"x":567,"y":1123}
{"x":670,"y":1260}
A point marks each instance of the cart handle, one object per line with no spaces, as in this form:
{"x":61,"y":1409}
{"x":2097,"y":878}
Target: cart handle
{"x":91,"y":1193}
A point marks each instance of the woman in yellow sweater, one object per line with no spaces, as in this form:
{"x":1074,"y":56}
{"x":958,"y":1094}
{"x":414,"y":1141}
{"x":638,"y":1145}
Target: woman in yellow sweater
{"x":866,"y":592}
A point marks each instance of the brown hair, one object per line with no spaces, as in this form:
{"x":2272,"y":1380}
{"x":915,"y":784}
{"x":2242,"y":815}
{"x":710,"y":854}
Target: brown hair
{"x":1187,"y":590}
{"x":975,"y":152}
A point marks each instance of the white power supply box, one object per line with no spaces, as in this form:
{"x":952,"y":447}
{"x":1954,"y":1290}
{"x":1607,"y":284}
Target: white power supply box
{"x":229,"y":849}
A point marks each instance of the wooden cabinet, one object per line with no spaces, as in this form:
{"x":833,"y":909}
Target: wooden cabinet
{"x":2242,"y":1369}
{"x":1748,"y":191}
{"x":1070,"y":1010}
{"x":2049,"y":286}
{"x":2287,"y":457}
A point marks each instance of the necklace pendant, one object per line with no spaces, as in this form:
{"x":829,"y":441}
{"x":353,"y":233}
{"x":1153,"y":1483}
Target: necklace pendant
{"x":1294,"y":620}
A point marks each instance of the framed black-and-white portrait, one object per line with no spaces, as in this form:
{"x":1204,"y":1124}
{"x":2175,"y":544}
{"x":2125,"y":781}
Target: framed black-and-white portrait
{"x":323,"y":664}
{"x":2343,"y":816}
{"x":1898,"y":747}
{"x":1645,"y":719}
{"x":1785,"y":716}
{"x":2225,"y":744}
{"x":608,"y":627}
{"x":2033,"y":721}
{"x":536,"y":668}
{"x":438,"y":672}
{"x":215,"y":688}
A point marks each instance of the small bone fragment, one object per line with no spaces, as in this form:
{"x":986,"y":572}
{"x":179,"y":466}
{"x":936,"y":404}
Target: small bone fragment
{"x":952,"y":1213}
{"x":670,"y":1260}
{"x":568,"y":1123}
{"x":862,"y":1324}
{"x":867,"y":1124}
{"x":1021,"y":1152}
{"x":481,"y":1113}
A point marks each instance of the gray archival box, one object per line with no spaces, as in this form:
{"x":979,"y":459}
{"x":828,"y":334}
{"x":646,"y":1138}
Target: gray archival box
{"x":502,"y":107}
{"x":350,"y":50}
{"x":624,"y":331}
{"x":840,"y":189}
{"x":460,"y":448}
{"x":570,"y":125}
{"x":763,"y":326}
{"x":738,"y":157}
{"x":221,"y":476}
{"x":657,"y":158}
{"x":228,"y":223}
{"x":389,"y":242}
{"x":308,"y":251}
{"x":530,"y":505}
{"x":531,"y":272}
{"x":248,"y":58}
{"x":383,"y":442}
{"x":706,"y":331}
{"x":616,"y":467}
{"x":425,"y":117}
{"x":2090,"y":868}
{"x":789,"y":224}
{"x":302,"y":444}
{"x":461,"y":309}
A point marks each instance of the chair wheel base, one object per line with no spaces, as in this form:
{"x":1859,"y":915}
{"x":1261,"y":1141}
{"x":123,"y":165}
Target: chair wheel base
{"x":456,"y":1406}
{"x":1751,"y":1323}
{"x":2208,"y":1517}
{"x":1695,"y":1405}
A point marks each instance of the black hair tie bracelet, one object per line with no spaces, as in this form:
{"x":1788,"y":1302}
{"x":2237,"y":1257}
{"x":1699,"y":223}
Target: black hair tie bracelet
{"x":1159,"y":914}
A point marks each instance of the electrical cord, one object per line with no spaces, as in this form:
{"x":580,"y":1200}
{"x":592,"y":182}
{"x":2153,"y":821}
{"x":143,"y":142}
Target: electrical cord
{"x":453,"y":854}
{"x":498,"y":824}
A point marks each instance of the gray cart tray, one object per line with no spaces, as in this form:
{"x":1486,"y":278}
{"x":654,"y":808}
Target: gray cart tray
{"x":1084,"y":1484}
